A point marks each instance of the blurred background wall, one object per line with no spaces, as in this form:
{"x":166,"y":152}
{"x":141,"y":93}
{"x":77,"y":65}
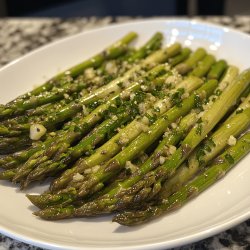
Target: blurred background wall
{"x":73,"y":8}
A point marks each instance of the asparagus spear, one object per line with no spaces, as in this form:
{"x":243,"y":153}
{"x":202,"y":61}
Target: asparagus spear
{"x":85,"y":123}
{"x":114,"y":86}
{"x":218,"y":68}
{"x":220,"y":166}
{"x":183,"y":55}
{"x":68,"y":93}
{"x":191,"y":61}
{"x":106,"y":201}
{"x":12,"y":144}
{"x":160,"y":172}
{"x":157,"y":57}
{"x":37,"y":172}
{"x":35,"y":114}
{"x":126,"y":135}
{"x":142,"y":141}
{"x":210,"y":148}
{"x":21,"y":105}
{"x":73,"y":134}
{"x":46,"y":97}
{"x":126,"y":61}
{"x":139,"y":144}
{"x":233,"y":126}
{"x":153,"y":44}
{"x":111,"y":52}
{"x":59,"y":146}
{"x":203,"y":66}
{"x":18,"y":125}
{"x":94,"y":181}
{"x":8,"y":174}
{"x":14,"y":127}
{"x":209,"y":119}
{"x":62,"y":214}
{"x":86,"y":144}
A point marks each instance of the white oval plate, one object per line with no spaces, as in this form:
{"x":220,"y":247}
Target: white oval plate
{"x":224,"y":205}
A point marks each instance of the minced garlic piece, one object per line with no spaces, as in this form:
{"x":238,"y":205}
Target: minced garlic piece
{"x":231,"y":140}
{"x":152,"y":98}
{"x":111,"y":67}
{"x":144,"y":127}
{"x":242,"y":99}
{"x":77,"y":177}
{"x":142,"y":109}
{"x":200,"y":114}
{"x":95,"y":168}
{"x":114,"y":117}
{"x":223,"y":85}
{"x":66,"y":96}
{"x":37,"y":131}
{"x":129,"y":165}
{"x":132,"y":96}
{"x":173,"y":125}
{"x":162,"y":159}
{"x":89,"y":73}
{"x":185,"y":95}
{"x":85,"y":110}
{"x":123,"y":140}
{"x":125,"y":84}
{"x":88,"y":171}
{"x":145,"y":120}
{"x":171,"y":149}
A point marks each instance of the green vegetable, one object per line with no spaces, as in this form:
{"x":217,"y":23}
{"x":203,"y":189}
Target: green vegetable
{"x":213,"y":173}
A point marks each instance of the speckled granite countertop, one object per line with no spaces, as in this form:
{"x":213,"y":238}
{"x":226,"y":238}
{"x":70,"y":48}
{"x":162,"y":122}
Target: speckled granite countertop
{"x":20,"y":36}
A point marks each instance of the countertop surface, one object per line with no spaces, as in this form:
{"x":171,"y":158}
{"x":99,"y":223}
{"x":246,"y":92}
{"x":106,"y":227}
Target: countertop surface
{"x":20,"y":36}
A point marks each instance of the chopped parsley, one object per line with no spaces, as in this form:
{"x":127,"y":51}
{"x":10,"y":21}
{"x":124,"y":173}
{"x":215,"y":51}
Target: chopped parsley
{"x":229,"y":158}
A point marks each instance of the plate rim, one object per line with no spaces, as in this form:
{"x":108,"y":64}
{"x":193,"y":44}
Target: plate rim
{"x":227,"y":223}
{"x":210,"y":231}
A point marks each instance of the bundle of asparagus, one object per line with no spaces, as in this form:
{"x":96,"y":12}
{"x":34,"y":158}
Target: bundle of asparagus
{"x":135,"y":132}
